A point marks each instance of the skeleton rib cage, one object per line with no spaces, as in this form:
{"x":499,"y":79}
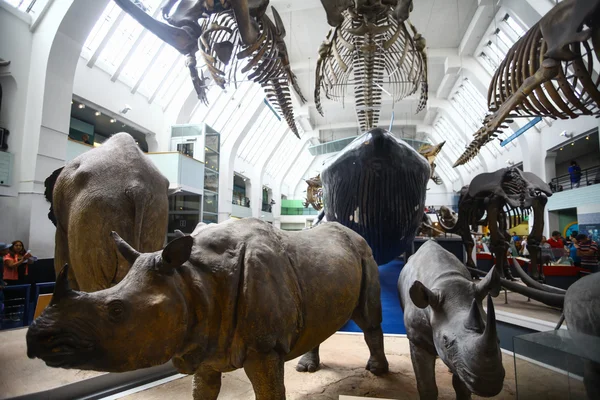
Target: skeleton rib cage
{"x":266,"y":64}
{"x":568,"y":92}
{"x":381,"y":57}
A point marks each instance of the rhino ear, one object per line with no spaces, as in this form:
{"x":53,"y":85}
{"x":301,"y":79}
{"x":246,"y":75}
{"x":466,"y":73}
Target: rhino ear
{"x":128,"y":252}
{"x":490,"y":284}
{"x":422,"y":296}
{"x":177,"y":252}
{"x":178,"y":234}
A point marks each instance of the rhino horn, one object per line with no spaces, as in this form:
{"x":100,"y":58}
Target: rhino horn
{"x":490,"y":336}
{"x":474,"y":322}
{"x":177,"y":252}
{"x":488,"y":285}
{"x":128,"y":252}
{"x":61,"y":288}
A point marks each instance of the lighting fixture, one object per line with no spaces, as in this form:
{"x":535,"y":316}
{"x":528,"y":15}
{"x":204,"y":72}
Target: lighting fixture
{"x":71,"y":102}
{"x":587,"y":138}
{"x":112,"y":120}
{"x":566,"y":134}
{"x":573,"y":144}
{"x":81,"y":106}
{"x":561,"y":148}
{"x":98,"y":113}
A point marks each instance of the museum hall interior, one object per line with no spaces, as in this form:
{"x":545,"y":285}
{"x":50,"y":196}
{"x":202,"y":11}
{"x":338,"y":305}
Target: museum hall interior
{"x":300,"y":199}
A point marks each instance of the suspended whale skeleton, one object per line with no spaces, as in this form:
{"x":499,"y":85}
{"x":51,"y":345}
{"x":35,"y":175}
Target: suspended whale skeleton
{"x":227,"y":33}
{"x":371,"y":48}
{"x":549,"y":72}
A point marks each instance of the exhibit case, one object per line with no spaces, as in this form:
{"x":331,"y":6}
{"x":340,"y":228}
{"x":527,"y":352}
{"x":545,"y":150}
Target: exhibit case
{"x":558,"y":364}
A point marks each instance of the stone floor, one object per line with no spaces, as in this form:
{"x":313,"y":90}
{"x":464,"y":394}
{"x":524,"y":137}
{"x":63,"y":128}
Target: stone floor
{"x":343,"y":358}
{"x":518,"y":304}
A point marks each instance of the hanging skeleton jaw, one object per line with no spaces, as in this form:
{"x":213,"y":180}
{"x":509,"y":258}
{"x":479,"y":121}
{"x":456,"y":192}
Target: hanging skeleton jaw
{"x":235,"y":39}
{"x":371,"y":49}
{"x":430,"y":153}
{"x":549,"y":72}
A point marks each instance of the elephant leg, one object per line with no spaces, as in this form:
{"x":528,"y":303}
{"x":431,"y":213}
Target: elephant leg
{"x":461,"y":390}
{"x":309,"y":361}
{"x":469,"y":245}
{"x":265,"y":371}
{"x":207,"y":384}
{"x":424,"y":365}
{"x":535,"y":238}
{"x":498,"y":243}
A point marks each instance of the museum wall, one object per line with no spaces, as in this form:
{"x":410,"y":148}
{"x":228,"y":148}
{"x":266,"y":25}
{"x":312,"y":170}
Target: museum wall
{"x":94,"y":85}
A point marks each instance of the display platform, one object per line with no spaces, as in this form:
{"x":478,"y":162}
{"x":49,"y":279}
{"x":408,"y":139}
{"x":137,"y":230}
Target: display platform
{"x":570,"y":359}
{"x":342,"y":373}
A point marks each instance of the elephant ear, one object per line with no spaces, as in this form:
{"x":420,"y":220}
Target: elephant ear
{"x":422,"y":297}
{"x":176,"y":253}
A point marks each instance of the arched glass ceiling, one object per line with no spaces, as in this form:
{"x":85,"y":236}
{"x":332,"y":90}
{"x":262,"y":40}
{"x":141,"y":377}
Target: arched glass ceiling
{"x":131,"y":54}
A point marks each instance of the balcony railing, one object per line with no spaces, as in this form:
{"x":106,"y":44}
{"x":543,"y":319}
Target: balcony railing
{"x":589,"y":176}
{"x":245,"y":202}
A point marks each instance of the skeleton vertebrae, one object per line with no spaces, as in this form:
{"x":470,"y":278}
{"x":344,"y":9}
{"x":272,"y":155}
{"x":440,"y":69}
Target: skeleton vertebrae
{"x":375,"y":54}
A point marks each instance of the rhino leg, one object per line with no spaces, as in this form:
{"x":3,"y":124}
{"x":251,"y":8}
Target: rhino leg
{"x":424,"y":365}
{"x":368,"y":317}
{"x":462,"y":392}
{"x":265,"y":371}
{"x":207,"y":384}
{"x":309,"y":361}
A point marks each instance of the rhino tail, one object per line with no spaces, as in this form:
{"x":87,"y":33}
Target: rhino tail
{"x":49,"y":192}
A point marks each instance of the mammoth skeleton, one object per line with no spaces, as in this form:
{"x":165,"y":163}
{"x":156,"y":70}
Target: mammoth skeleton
{"x":500,"y":200}
{"x":370,"y":47}
{"x":231,"y":36}
{"x":549,"y":72}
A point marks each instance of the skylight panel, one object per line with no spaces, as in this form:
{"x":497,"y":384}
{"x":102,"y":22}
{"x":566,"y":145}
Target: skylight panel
{"x":120,"y":43}
{"x":141,"y":58}
{"x":254,"y":129}
{"x":99,"y":31}
{"x":488,"y":63}
{"x":172,"y":85}
{"x":166,"y":60}
{"x":514,"y":26}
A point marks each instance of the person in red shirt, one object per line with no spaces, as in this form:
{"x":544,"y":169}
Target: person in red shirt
{"x":17,"y":257}
{"x":555,"y":241}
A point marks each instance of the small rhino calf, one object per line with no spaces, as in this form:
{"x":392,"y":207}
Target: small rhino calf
{"x":443,"y":317}
{"x":240,"y":294}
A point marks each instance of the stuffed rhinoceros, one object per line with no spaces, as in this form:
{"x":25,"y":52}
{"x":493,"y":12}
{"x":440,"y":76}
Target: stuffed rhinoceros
{"x":114,"y":186}
{"x":237,"y":294}
{"x":443,"y":316}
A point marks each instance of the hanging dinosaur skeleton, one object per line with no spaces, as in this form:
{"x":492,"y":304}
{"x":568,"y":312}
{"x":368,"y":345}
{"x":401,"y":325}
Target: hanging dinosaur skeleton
{"x":430,"y":152}
{"x":372,"y":49}
{"x":232,"y":37}
{"x":499,"y":200}
{"x":549,"y":72}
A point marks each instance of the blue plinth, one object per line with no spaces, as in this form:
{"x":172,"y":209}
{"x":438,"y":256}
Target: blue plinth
{"x":393,"y":317}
